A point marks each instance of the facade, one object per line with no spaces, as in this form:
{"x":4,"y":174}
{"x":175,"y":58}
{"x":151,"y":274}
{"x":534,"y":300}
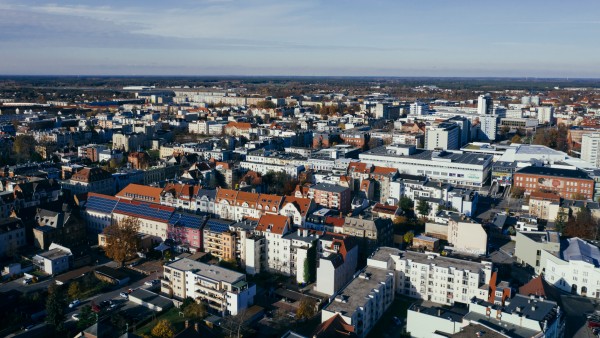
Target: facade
{"x":484,"y":104}
{"x":589,"y":148}
{"x":219,"y":240}
{"x":443,"y":136}
{"x":466,"y":235}
{"x":575,"y":269}
{"x":12,"y":236}
{"x":337,"y":262}
{"x":56,"y":260}
{"x":544,"y":205}
{"x":563,"y":182}
{"x":90,"y":180}
{"x":436,"y":278}
{"x":331,"y":196}
{"x":455,"y":167}
{"x":223,"y":290}
{"x":488,"y":126}
{"x":369,"y":234}
{"x":529,"y":246}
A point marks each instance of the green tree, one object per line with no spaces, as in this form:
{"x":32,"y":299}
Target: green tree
{"x":56,"y":302}
{"x":23,"y":148}
{"x":74,"y":291}
{"x":86,"y":318}
{"x":423,"y":208}
{"x":122,"y":241}
{"x":163,"y":329}
{"x":310,"y":264}
{"x":561,"y":220}
{"x":195,"y":311}
{"x":406,"y":204}
{"x":306,"y":309}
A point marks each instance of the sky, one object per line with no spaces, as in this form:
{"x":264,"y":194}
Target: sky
{"x":438,"y":38}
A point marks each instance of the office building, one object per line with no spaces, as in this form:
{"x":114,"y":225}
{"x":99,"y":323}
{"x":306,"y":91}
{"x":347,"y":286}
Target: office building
{"x":484,"y":104}
{"x":589,"y":148}
{"x":443,"y":136}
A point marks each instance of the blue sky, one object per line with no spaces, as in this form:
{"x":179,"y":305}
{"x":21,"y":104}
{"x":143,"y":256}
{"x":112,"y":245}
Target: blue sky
{"x":304,"y":37}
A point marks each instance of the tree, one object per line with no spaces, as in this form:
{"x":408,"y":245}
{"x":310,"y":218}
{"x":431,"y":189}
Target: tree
{"x":423,"y":208}
{"x":408,"y":237}
{"x":406,"y":204}
{"x":74,"y":291}
{"x":265,"y":104}
{"x":515,"y":139}
{"x":163,"y":329}
{"x":306,"y":309}
{"x":23,"y":147}
{"x":56,"y":302}
{"x":195,"y":311}
{"x":86,"y":318}
{"x":310,"y":264}
{"x":122,"y":241}
{"x":517,"y":192}
{"x":561,"y":220}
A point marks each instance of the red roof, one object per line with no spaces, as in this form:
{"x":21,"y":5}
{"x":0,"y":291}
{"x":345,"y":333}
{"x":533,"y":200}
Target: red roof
{"x":544,"y":196}
{"x":276,"y":224}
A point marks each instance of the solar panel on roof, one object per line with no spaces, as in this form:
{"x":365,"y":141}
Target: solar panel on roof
{"x":216,"y":226}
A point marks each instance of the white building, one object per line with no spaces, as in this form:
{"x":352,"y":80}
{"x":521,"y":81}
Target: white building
{"x":443,"y":136}
{"x":454,"y":167}
{"x":419,"y":108}
{"x":589,"y":148}
{"x":55,"y":261}
{"x":575,"y":269}
{"x":484,"y":104}
{"x":337,"y":262}
{"x":223,"y":290}
{"x":488,"y":126}
{"x":430,"y":276}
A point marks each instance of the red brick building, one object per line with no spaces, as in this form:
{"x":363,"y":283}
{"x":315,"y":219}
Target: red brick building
{"x":564,"y":182}
{"x":331,"y":196}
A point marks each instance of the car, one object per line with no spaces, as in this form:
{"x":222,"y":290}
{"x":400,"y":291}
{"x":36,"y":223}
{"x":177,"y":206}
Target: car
{"x":27,"y":281}
{"x":29,"y":327}
{"x":112,"y":306}
{"x":151,"y":282}
{"x":105,"y":303}
{"x":74,"y":303}
{"x":124,"y":295}
{"x":75,"y":317}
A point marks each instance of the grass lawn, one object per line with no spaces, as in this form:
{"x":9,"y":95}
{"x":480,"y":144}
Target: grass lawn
{"x":171,"y":315}
{"x":385,"y":326}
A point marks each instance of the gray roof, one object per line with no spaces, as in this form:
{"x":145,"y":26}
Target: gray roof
{"x":576,"y":249}
{"x":212,"y":272}
{"x":421,"y":154}
{"x":383,"y":254}
{"x":151,"y":298}
{"x":329,"y":187}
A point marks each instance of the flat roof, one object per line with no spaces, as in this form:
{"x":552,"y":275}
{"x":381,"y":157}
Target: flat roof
{"x":554,"y":172}
{"x":383,"y":254}
{"x":213,"y":272}
{"x":428,"y":155}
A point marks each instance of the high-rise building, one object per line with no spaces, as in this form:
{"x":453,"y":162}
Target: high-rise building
{"x":484,"y":104}
{"x":488,"y":125}
{"x":444,"y":136}
{"x":419,"y":108}
{"x":464,"y":125}
{"x":589,"y":148}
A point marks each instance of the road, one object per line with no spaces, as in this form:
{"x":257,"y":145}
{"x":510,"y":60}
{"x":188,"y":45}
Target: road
{"x":18,"y":285}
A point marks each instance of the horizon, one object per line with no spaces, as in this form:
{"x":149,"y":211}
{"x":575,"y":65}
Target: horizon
{"x":549,"y":39}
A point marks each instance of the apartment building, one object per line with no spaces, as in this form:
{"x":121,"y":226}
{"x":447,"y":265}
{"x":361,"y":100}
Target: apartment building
{"x":237,"y":205}
{"x":337,"y":262}
{"x":331,"y":196}
{"x":12,"y":236}
{"x":564,"y":182}
{"x":223,"y":290}
{"x":219,"y":240}
{"x":364,"y":300}
{"x":370,"y":233}
{"x":432,"y":277}
{"x":297,"y":208}
{"x":89,"y":180}
{"x":589,"y":148}
{"x":544,"y":205}
{"x":443,"y":136}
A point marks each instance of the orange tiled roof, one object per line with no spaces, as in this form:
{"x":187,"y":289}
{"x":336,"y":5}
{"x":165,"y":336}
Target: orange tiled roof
{"x":140,"y":193}
{"x":302,"y":204}
{"x":270,"y":201}
{"x":246,"y":197}
{"x":276,"y":224}
{"x":384,"y":171}
{"x":226,"y":194}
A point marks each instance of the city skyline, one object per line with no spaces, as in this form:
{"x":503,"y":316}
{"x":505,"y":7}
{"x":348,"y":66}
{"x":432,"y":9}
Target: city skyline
{"x":309,"y":38}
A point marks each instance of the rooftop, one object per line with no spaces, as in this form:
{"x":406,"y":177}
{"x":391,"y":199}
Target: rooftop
{"x":576,"y":249}
{"x":431,"y":155}
{"x":554,"y":172}
{"x":213,"y":272}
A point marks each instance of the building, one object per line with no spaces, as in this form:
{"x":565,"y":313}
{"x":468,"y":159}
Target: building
{"x":484,"y":104}
{"x":589,"y":148}
{"x":444,"y":136}
{"x":530,"y":244}
{"x":454,"y":167}
{"x":419,"y":108}
{"x":222,"y":290}
{"x":488,"y":128}
{"x":337,"y":262}
{"x":12,"y":236}
{"x":364,"y":300}
{"x":331,"y":196}
{"x":544,"y":205}
{"x":219,"y":240}
{"x":64,"y":228}
{"x":56,"y":260}
{"x":129,"y":141}
{"x":436,"y":278}
{"x":369,"y":233}
{"x":466,"y":235}
{"x":574,"y":269}
{"x":570,"y":184}
{"x":89,"y":180}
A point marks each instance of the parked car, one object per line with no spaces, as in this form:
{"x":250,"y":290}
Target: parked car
{"x":124,"y":295}
{"x":75,"y":316}
{"x":27,"y":281}
{"x":105,"y":303}
{"x":151,"y":282}
{"x":74,"y":303}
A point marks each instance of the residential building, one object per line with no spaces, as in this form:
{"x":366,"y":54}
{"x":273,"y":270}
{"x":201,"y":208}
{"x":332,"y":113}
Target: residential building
{"x":12,"y":236}
{"x":225,"y":291}
{"x":369,"y":234}
{"x":364,"y":300}
{"x":574,"y":269}
{"x":89,"y":180}
{"x":484,"y":104}
{"x":337,"y":262}
{"x":331,"y":196}
{"x":436,"y":278}
{"x":488,"y":127}
{"x":529,"y":246}
{"x":219,"y":240}
{"x":64,"y":228}
{"x":566,"y":183}
{"x":589,"y":148}
{"x":544,"y":205}
{"x":466,"y":235}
